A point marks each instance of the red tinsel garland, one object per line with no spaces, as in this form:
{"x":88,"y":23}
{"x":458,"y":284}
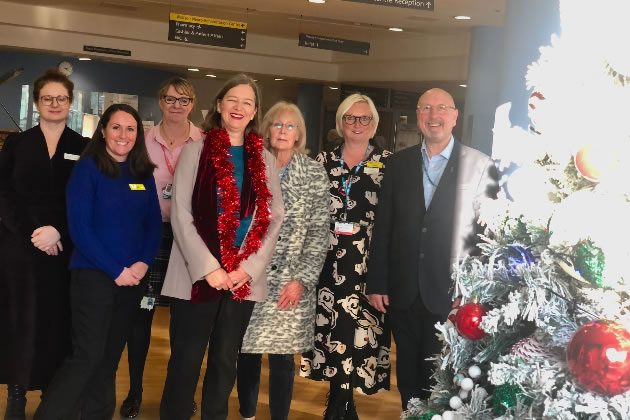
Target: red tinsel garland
{"x":230,"y":201}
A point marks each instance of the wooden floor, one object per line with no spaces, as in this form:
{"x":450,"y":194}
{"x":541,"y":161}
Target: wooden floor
{"x":308,"y":396}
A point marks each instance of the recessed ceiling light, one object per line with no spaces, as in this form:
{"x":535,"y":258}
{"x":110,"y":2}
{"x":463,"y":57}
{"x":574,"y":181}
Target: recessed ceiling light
{"x":193,"y":69}
{"x":462,"y":17}
{"x":255,"y":80}
{"x":211,"y":75}
{"x":84,"y":59}
{"x":317,"y":1}
{"x":277,"y":79}
{"x":396,"y":29}
{"x":463,"y":85}
{"x":333,"y":87}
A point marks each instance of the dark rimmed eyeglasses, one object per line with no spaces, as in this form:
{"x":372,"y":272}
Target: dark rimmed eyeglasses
{"x":183,"y":101}
{"x":351,"y":119}
{"x":48,"y":100}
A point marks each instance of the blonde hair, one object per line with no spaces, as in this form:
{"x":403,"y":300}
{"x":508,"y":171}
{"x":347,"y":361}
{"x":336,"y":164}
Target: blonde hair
{"x":347,"y":103}
{"x":279,"y":108}
{"x":181,"y":86}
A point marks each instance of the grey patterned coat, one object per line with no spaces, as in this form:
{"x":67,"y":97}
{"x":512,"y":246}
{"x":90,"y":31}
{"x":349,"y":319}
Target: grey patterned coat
{"x":299,"y":255}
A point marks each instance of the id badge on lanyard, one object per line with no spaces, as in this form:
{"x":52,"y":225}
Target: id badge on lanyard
{"x":344,"y":227}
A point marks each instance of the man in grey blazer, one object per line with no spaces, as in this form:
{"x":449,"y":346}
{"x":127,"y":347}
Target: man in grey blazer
{"x":426,"y":222}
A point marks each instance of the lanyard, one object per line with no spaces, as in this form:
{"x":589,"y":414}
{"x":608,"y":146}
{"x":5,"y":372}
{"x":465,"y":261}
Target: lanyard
{"x":286,"y":169}
{"x":347,"y":184}
{"x":171,"y":170}
{"x":426,"y":170}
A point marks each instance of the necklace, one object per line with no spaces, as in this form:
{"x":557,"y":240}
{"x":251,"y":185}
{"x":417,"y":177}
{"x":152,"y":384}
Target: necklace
{"x":168,"y":140}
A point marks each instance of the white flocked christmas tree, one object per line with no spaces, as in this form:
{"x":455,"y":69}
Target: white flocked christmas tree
{"x":543,"y":329}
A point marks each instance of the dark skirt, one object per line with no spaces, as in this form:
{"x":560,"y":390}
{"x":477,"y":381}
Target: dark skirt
{"x":155,"y":275}
{"x":34,"y":312}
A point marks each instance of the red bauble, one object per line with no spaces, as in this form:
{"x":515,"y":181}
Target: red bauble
{"x":467,"y":320}
{"x":593,"y":161}
{"x":599,"y":357}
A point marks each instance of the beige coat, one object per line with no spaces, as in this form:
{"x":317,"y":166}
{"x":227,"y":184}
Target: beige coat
{"x":190,"y":258}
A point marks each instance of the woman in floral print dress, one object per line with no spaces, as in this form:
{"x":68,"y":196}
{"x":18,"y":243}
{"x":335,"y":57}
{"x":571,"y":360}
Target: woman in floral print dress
{"x":352,"y":341}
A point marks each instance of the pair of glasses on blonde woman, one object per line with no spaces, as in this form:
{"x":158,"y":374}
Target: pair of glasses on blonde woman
{"x":351,"y":119}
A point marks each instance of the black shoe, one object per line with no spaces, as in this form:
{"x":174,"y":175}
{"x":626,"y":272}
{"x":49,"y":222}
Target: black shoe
{"x":194,"y":410}
{"x":335,"y":409}
{"x":16,"y":403}
{"x":351,"y":412}
{"x":130,"y":408}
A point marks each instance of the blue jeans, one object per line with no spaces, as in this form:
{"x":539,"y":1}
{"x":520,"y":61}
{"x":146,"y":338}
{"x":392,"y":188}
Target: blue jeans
{"x":281,"y":373}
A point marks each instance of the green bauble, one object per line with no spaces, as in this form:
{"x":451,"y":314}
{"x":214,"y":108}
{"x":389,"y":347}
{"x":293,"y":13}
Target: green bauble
{"x":506,"y":395}
{"x":427,"y":416}
{"x":590,"y":261}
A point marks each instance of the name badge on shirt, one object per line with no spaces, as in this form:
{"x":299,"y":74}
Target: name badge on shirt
{"x":137,"y":187}
{"x":70,"y":156}
{"x":342,"y":228}
{"x":167,"y":191}
{"x":371,"y":164}
{"x":370,"y":171}
{"x":148,"y":302}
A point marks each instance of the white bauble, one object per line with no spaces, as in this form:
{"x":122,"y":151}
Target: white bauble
{"x":474,"y":371}
{"x":467,"y":384}
{"x":448,"y":415}
{"x":463,"y":394}
{"x":437,"y":417}
{"x":455,"y":403}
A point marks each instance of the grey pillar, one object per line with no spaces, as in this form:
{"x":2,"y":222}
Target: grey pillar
{"x":482,"y":93}
{"x":528,"y":26}
{"x":309,"y":101}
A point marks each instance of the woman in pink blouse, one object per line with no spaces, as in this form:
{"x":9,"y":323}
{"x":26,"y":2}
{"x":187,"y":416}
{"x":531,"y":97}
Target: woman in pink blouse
{"x":164,"y":142}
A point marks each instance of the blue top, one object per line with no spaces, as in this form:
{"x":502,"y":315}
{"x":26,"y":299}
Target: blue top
{"x":113,"y":222}
{"x":432,"y":169}
{"x":236,"y":153}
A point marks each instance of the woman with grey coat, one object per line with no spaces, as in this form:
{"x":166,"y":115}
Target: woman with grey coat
{"x":283,"y":325}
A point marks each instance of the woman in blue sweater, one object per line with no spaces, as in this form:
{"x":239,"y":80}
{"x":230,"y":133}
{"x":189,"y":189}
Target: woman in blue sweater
{"x":115,"y":224}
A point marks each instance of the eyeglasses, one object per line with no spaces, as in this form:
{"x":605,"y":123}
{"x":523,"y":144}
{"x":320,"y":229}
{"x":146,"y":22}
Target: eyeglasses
{"x":48,"y":100}
{"x":289,"y":127}
{"x":363,"y":119}
{"x":440,"y":109}
{"x":183,"y":101}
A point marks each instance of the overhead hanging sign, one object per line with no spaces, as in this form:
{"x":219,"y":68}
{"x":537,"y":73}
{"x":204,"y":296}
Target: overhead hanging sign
{"x":207,"y":31}
{"x":104,"y":50}
{"x":408,"y":4}
{"x":334,"y":44}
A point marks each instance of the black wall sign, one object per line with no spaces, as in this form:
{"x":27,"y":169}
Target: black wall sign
{"x":207,"y":31}
{"x":334,"y":44}
{"x":408,"y":4}
{"x":103,"y":50}
{"x":404,"y":100}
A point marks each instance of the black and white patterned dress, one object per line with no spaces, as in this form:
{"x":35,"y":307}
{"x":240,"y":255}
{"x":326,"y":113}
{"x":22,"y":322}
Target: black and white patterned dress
{"x":352,"y":341}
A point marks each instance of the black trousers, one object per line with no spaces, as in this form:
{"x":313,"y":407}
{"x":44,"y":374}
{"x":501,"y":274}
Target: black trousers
{"x":102,"y":313}
{"x":222,"y":323}
{"x":414,"y":334}
{"x":137,"y":350}
{"x":281,"y":376}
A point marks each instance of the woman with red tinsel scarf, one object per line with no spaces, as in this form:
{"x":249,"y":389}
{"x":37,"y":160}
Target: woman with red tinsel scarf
{"x":226,"y":215}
